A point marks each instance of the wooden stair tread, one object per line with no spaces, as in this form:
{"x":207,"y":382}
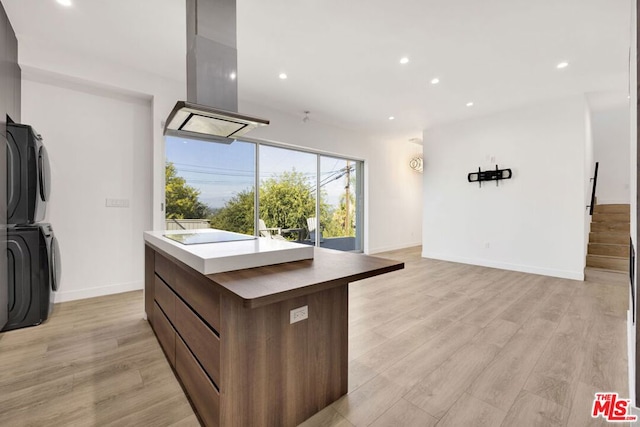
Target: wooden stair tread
{"x":599,"y":219}
{"x":607,"y":262}
{"x":619,"y":250}
{"x":608,"y":248}
{"x":610,"y":256}
{"x":612,"y":232}
{"x":612,"y":208}
{"x":612,"y":222}
{"x":607,"y":256}
{"x":605,"y":226}
{"x":626,"y":244}
{"x":612,"y":236}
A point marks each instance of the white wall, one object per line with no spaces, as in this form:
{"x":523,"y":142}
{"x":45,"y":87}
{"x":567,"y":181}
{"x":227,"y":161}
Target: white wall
{"x":392,"y":190}
{"x":589,"y":170}
{"x":395,"y":201}
{"x":100,"y":146}
{"x":534,"y":222}
{"x":94,"y":71}
{"x":610,"y":126}
{"x":86,"y":108}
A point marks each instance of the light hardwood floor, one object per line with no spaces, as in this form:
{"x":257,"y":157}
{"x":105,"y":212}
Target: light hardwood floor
{"x":438,"y":343}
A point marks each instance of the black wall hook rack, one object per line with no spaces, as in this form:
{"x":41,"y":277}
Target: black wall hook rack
{"x":489,"y":175}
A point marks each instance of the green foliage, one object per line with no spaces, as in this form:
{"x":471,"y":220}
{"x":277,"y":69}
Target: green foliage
{"x":237,"y":214}
{"x":342,"y":222}
{"x":182,"y":199}
{"x":287,"y":201}
{"x":339,"y":225}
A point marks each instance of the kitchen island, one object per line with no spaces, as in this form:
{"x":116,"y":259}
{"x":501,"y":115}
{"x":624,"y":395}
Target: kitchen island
{"x":264,"y":346}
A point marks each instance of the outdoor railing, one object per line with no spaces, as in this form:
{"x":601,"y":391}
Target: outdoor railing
{"x":186,"y":224}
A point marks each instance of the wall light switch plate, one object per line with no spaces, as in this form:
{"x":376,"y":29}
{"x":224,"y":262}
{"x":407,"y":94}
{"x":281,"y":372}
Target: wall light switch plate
{"x":298,"y":314}
{"x":117,"y":203}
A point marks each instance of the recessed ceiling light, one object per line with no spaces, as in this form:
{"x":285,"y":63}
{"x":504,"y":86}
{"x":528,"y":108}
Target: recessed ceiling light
{"x":469,"y":104}
{"x":65,"y":3}
{"x":282,"y":76}
{"x":232,"y":76}
{"x":435,"y":81}
{"x":562,"y":65}
{"x":404,"y":60}
{"x":391,"y":117}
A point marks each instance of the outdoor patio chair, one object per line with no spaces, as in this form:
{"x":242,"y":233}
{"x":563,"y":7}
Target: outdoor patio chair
{"x":269,"y":232}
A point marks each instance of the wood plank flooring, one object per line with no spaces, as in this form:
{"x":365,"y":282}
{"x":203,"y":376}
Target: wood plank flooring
{"x":436,"y":344}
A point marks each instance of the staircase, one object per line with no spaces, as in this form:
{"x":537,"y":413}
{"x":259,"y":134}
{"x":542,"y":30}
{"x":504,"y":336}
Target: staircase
{"x":609,"y":238}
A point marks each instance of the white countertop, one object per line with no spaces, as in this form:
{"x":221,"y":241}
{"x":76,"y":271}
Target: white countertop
{"x":210,"y":258}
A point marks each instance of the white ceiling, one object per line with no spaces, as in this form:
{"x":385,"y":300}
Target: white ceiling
{"x":342,"y":57}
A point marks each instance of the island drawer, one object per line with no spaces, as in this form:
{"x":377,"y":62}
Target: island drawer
{"x":165,"y":268}
{"x":203,"y":343}
{"x":197,"y":290}
{"x":165,"y":333}
{"x":200,"y":389}
{"x":165,"y":298}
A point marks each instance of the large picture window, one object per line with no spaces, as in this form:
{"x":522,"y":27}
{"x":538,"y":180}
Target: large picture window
{"x":210,"y":185}
{"x":301,"y":196}
{"x":341,"y":197}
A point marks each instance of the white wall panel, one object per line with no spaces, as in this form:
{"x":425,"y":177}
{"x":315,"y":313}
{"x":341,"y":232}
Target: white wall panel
{"x":610,"y":128}
{"x":100,"y":146}
{"x":534,"y":222}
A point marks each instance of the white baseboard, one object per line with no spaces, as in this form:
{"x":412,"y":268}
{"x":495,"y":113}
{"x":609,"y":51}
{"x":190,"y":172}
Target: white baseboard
{"x":62,"y":296}
{"x":392,"y":248}
{"x":564,"y":274}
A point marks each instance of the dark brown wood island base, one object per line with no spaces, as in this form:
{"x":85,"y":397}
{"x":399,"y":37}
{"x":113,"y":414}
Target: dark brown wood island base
{"x":231,"y":343}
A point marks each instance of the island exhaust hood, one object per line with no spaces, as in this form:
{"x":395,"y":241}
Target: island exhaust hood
{"x":210,"y":112}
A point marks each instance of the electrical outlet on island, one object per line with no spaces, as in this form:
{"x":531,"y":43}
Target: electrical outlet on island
{"x":298,"y":314}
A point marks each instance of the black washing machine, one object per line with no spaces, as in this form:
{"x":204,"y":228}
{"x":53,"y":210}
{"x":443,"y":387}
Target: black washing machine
{"x":34,"y":273}
{"x":28,"y":175}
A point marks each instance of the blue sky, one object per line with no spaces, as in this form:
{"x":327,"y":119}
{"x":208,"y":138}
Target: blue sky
{"x":220,"y":171}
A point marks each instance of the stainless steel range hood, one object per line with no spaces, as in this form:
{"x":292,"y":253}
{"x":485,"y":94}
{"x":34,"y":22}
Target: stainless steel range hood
{"x":201,"y":122}
{"x":210,"y":112}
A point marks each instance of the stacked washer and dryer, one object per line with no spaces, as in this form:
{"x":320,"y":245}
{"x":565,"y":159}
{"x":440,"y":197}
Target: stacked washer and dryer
{"x":32,"y":249}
